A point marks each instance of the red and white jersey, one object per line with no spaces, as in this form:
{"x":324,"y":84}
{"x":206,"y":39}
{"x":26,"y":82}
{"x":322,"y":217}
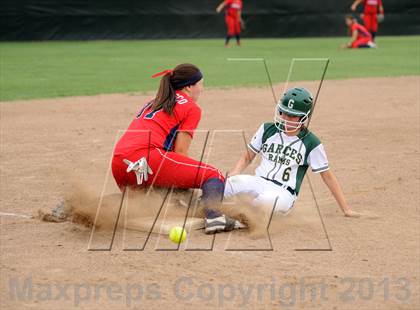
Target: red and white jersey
{"x":233,"y":7}
{"x":158,"y":129}
{"x":371,"y":6}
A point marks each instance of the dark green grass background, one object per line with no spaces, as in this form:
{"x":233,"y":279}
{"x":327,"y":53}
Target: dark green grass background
{"x":55,"y":69}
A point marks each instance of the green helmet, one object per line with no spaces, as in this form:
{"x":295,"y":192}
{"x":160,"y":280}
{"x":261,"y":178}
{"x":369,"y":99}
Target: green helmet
{"x":296,"y":101}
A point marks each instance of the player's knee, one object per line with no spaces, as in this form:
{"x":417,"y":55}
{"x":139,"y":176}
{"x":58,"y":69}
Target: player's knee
{"x":230,"y":188}
{"x":234,"y":179}
{"x":233,"y":182}
{"x":217,"y":174}
{"x":240,"y":183}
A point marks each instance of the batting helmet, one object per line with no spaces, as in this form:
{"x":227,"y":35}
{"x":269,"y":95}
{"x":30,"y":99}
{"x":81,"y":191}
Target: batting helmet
{"x":296,"y":101}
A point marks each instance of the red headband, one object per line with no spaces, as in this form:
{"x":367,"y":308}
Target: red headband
{"x":164,"y":72}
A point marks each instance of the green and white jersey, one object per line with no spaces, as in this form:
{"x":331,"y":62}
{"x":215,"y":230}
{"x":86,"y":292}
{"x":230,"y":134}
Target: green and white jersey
{"x":285,"y":159}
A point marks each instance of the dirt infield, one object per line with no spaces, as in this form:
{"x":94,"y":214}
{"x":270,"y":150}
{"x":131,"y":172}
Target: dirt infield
{"x":370,"y":128}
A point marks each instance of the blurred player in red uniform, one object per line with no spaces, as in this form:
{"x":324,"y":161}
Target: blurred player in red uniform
{"x":360,"y":37}
{"x":370,"y":14}
{"x":154,"y":149}
{"x":233,"y":19}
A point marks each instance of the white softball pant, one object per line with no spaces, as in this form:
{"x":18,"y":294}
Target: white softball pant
{"x":264,"y":192}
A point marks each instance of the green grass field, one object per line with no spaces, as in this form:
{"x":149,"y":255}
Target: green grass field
{"x":55,"y":69}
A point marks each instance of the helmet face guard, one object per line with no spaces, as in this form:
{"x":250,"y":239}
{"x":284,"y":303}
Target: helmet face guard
{"x":295,"y":102}
{"x":286,"y":125}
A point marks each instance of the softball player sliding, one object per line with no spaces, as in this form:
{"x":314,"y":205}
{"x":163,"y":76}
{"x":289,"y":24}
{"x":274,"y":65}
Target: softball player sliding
{"x":287,"y":149}
{"x":233,"y":19}
{"x":154,"y":149}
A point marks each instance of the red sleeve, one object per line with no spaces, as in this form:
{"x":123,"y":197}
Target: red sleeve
{"x":191,"y":120}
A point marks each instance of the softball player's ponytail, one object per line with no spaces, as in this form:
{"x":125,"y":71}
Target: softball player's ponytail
{"x":165,"y":97}
{"x":182,"y":76}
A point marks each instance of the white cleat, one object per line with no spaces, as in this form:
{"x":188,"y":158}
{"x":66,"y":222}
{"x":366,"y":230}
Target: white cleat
{"x":372,"y":44}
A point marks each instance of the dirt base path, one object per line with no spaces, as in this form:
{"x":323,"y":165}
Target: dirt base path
{"x":370,"y":128}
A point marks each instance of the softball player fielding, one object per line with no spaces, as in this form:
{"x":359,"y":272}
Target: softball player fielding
{"x":370,"y":14}
{"x":360,"y":37}
{"x":233,"y":19}
{"x":287,"y":149}
{"x":154,"y":149}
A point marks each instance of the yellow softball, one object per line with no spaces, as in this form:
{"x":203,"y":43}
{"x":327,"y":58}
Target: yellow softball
{"x":177,"y":234}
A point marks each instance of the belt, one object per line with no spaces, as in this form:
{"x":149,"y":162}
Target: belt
{"x":288,"y":188}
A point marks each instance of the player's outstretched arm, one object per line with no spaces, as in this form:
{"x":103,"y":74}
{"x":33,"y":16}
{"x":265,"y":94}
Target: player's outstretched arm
{"x":355,"y":4}
{"x":220,"y":7}
{"x":243,"y":162}
{"x":331,"y":181}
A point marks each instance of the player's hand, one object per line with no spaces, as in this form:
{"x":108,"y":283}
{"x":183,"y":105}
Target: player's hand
{"x":381,"y":18}
{"x":353,"y":7}
{"x":343,"y":46}
{"x":243,"y":25}
{"x":353,"y":214}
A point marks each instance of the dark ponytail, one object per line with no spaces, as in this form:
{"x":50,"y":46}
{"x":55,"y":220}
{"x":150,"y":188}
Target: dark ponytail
{"x":165,"y":97}
{"x":182,"y":76}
